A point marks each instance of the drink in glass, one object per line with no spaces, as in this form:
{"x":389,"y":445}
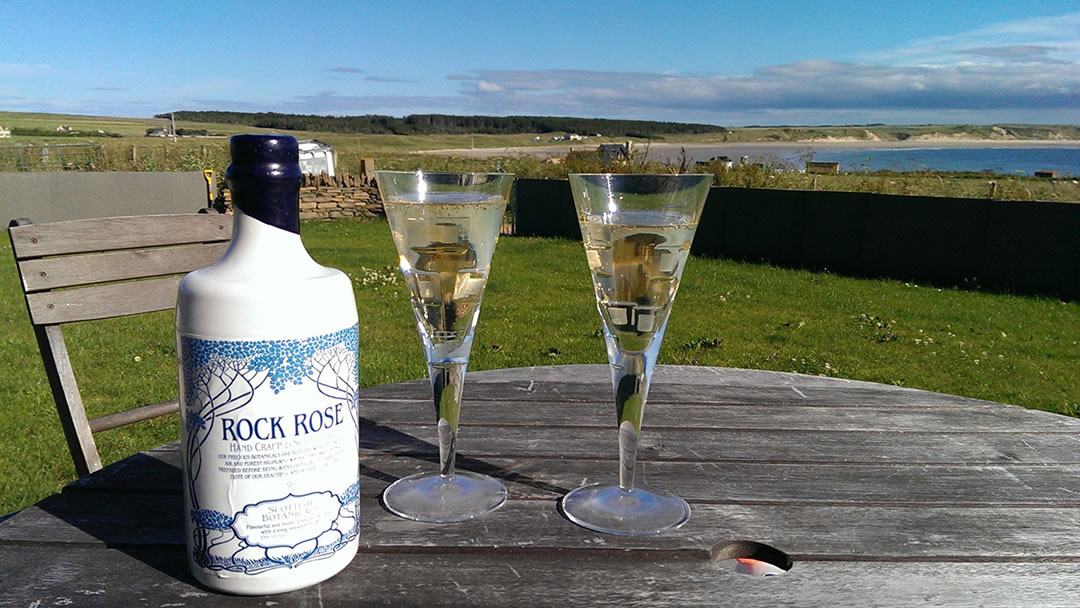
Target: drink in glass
{"x":637,"y":231}
{"x":445,"y":226}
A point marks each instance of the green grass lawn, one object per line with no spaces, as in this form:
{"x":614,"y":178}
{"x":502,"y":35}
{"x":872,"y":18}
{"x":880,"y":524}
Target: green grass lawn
{"x":539,"y":310}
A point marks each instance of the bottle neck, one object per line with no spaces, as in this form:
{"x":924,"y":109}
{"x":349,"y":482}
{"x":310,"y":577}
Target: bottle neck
{"x":264,"y":246}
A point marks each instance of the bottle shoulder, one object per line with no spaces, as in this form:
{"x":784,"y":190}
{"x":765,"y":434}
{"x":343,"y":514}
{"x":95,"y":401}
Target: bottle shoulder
{"x":221,"y":303}
{"x":266,"y":276}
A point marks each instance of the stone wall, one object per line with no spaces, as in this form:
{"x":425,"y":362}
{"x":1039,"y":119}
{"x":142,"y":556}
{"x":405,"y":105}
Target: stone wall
{"x":326,"y":198}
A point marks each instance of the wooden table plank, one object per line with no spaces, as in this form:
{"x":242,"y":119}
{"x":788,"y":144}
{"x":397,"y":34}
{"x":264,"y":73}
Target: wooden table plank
{"x":981,"y":417}
{"x":158,"y":471}
{"x":739,"y":445}
{"x":808,"y":531}
{"x":591,"y":383}
{"x":526,"y":390}
{"x":100,"y":577}
{"x":882,"y":495}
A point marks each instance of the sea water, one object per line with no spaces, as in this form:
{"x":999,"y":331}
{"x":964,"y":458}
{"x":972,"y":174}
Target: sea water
{"x":1013,"y":160}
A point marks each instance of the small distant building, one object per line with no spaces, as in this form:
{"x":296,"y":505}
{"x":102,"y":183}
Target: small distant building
{"x":709,"y":165}
{"x":64,"y":129}
{"x":5,"y":132}
{"x":827,"y":168}
{"x":574,"y":137}
{"x":613,"y":152}
{"x":1047,"y":173}
{"x":316,"y":157}
{"x":159,"y":132}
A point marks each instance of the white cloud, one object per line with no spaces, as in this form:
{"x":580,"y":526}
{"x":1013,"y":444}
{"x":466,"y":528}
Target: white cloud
{"x":1043,"y":38}
{"x":1013,"y":68}
{"x":804,"y":85}
{"x":1026,"y":70}
{"x":484,"y":86}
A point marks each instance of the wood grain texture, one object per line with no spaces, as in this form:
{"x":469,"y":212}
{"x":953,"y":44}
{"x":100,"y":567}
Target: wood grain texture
{"x":85,"y":577}
{"x":882,"y":496}
{"x":72,"y":271}
{"x":856,"y":533}
{"x":158,"y":471}
{"x":116,"y":249}
{"x":114,"y":233}
{"x":103,"y":301}
{"x":686,"y":392}
{"x":482,"y":408}
{"x":725,"y":445}
{"x":138,"y":414}
{"x":68,"y":400}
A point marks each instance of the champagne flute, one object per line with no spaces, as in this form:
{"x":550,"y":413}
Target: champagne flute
{"x":637,"y":231}
{"x":445,"y":226}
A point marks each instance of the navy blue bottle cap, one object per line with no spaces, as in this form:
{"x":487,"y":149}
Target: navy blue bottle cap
{"x":265,"y":177}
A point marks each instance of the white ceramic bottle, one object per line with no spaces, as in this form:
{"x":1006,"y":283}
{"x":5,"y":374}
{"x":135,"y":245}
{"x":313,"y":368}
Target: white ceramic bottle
{"x":267,"y":349}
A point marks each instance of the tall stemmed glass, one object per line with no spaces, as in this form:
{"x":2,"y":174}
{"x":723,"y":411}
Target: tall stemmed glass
{"x":445,"y":226}
{"x":637,"y":231}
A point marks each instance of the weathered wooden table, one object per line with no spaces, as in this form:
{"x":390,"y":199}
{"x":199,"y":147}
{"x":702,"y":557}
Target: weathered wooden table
{"x":881,"y":496}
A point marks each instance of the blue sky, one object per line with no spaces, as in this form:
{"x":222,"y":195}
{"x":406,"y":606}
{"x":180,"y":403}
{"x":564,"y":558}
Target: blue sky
{"x":730,"y":63}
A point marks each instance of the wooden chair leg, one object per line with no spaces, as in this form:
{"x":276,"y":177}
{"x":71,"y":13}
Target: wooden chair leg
{"x":68,"y":401}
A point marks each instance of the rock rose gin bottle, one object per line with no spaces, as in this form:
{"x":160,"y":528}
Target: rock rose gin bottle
{"x":267,"y":349}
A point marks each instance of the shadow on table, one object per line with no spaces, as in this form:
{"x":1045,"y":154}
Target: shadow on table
{"x":135,"y":506}
{"x":389,"y":441}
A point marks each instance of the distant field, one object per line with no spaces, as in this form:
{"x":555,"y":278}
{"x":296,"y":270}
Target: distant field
{"x":136,"y":127}
{"x":133,"y":131}
{"x":136,"y":152}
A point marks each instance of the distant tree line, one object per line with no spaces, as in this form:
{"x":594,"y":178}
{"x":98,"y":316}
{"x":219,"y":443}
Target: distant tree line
{"x":424,"y":124}
{"x":181,"y":132}
{"x":36,"y":132}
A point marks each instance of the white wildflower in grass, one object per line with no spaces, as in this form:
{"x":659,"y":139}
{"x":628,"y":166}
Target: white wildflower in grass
{"x":376,"y":277}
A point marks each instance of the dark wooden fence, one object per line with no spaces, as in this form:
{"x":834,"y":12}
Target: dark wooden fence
{"x":1023,"y":247}
{"x":51,"y":196}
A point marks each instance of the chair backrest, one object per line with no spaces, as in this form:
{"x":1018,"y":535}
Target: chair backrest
{"x":82,"y":270}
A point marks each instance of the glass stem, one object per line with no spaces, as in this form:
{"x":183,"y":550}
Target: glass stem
{"x":630,"y":377}
{"x":447,"y":380}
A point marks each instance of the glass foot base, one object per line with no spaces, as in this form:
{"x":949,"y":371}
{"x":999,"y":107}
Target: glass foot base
{"x":432,"y":498}
{"x":612,"y":510}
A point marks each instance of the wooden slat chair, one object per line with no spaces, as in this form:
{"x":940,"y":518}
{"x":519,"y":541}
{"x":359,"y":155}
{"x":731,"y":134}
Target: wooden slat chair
{"x":82,"y":270}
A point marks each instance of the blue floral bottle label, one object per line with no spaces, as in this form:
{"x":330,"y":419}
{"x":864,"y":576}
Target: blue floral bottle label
{"x":269,"y":439}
